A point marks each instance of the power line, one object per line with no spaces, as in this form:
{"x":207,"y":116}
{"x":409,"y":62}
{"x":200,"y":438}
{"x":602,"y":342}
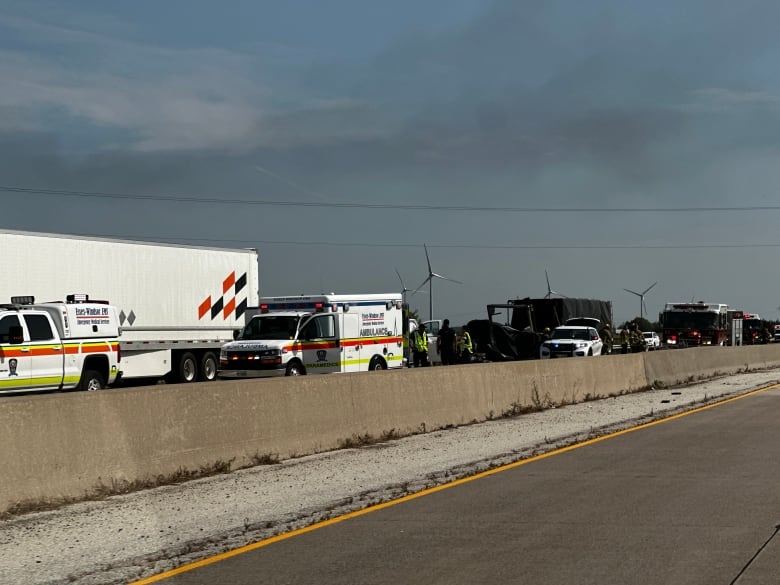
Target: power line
{"x":353,"y":205}
{"x":442,"y":246}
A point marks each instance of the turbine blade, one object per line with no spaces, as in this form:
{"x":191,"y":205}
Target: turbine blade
{"x":649,"y":287}
{"x":632,"y":292}
{"x":434,"y":275}
{"x":427,"y":259}
{"x":422,"y":284}
{"x":401,"y":279}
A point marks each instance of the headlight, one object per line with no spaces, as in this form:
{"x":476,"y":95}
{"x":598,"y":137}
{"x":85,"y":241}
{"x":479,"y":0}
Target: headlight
{"x":581,"y":344}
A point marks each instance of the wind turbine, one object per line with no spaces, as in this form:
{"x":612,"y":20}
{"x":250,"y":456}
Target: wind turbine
{"x":641,"y":296}
{"x":551,"y":292}
{"x":429,"y":280}
{"x":404,"y":290}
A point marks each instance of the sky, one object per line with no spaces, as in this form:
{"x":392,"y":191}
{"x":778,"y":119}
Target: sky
{"x":608,"y":144}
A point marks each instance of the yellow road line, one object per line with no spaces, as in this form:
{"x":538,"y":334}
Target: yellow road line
{"x":438,"y":488}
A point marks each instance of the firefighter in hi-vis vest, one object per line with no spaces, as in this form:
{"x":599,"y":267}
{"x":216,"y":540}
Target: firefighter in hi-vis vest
{"x":420,"y":347}
{"x":465,"y":348}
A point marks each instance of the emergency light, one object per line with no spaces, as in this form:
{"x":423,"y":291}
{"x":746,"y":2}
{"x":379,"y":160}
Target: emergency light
{"x":25,"y":300}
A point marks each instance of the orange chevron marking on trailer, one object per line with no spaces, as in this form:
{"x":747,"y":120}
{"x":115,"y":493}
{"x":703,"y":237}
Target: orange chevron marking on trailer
{"x":204,"y":307}
{"x":228,"y":282}
{"x":229,"y":308}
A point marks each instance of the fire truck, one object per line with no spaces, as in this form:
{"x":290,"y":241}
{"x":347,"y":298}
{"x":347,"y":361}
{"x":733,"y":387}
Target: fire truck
{"x":694,"y":324}
{"x":319,"y":334}
{"x":752,"y":329}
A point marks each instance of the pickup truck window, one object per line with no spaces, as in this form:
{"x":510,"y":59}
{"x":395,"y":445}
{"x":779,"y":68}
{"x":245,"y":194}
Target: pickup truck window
{"x":5,"y":326}
{"x":39,"y":327}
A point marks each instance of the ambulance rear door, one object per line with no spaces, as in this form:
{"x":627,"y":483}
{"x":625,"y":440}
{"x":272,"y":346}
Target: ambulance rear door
{"x":350,"y":341}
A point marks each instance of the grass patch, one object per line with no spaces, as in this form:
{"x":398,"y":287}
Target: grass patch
{"x":116,"y":487}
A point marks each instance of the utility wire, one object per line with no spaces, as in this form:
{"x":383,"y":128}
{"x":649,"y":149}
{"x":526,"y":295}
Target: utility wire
{"x":354,"y":205}
{"x":459,"y":246}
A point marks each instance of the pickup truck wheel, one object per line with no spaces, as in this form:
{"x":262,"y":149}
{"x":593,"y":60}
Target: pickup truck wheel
{"x":295,"y":369}
{"x":91,"y":381}
{"x":188,"y":368}
{"x":208,"y":367}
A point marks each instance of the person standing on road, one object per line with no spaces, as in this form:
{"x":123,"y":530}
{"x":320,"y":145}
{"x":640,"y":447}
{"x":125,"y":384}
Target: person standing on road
{"x":606,"y":337}
{"x":465,"y":347}
{"x":445,"y":344}
{"x":419,"y":342}
{"x":624,"y":339}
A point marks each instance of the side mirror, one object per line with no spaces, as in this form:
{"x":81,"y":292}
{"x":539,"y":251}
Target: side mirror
{"x":236,"y":334}
{"x":15,"y":334}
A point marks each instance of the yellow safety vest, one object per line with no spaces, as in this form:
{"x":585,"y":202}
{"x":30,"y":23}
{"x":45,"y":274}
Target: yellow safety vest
{"x":465,"y":342}
{"x":420,"y":341}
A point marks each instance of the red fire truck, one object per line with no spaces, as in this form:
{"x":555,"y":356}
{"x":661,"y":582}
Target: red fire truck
{"x":694,"y":324}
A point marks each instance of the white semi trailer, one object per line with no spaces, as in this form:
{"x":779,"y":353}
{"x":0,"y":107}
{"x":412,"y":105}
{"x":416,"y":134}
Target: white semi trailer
{"x":177,"y":304}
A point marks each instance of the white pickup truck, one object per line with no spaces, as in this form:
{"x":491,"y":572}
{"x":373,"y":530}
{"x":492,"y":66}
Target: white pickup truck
{"x":58,"y":345}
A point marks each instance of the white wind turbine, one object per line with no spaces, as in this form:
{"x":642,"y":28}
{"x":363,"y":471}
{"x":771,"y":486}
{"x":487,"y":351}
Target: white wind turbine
{"x":551,"y":292}
{"x":404,"y":290}
{"x":641,"y":296}
{"x":429,"y":280}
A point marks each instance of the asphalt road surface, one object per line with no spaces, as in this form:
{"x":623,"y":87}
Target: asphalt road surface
{"x":694,"y":499}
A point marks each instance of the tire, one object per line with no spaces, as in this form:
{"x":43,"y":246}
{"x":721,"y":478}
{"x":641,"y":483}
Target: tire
{"x":295,"y":368}
{"x":208,"y":367}
{"x":187,"y":369}
{"x":91,"y":381}
{"x":590,"y":353}
{"x":376,"y":364}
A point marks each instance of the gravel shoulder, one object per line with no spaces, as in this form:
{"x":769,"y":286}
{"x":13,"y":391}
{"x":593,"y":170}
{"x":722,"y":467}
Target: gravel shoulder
{"x":129,"y":537}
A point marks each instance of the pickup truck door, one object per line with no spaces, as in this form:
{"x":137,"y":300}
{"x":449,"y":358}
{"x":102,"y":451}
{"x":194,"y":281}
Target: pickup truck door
{"x":46,"y":351}
{"x":14,"y":357}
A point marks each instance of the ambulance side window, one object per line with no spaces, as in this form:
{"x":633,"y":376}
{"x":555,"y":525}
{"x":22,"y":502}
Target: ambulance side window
{"x":327,"y":326}
{"x":322,"y":326}
{"x":39,"y":327}
{"x":5,"y":326}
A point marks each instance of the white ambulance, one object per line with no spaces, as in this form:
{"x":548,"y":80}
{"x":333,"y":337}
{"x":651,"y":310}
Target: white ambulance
{"x":318,"y":334}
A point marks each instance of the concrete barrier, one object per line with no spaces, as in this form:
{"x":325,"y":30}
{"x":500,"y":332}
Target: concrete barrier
{"x":68,"y":445}
{"x":682,"y":366}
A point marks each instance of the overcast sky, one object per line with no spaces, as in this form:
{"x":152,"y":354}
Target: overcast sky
{"x":609,"y":105}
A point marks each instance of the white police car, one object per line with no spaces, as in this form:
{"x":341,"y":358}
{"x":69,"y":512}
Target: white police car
{"x":571,"y":341}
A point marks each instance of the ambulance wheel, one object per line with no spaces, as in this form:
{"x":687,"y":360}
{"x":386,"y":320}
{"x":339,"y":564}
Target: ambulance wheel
{"x":188,"y":368}
{"x":377,"y":363}
{"x":91,"y":381}
{"x":208,"y":367}
{"x":295,"y":368}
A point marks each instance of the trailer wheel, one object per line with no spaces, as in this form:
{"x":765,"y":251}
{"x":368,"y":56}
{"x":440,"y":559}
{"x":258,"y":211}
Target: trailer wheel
{"x":295,"y":368}
{"x":376,"y":364}
{"x":91,"y":381}
{"x":208,"y":367}
{"x":187,"y":369}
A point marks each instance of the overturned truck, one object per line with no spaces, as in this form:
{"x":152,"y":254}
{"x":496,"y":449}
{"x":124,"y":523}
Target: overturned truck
{"x":522,"y":334}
